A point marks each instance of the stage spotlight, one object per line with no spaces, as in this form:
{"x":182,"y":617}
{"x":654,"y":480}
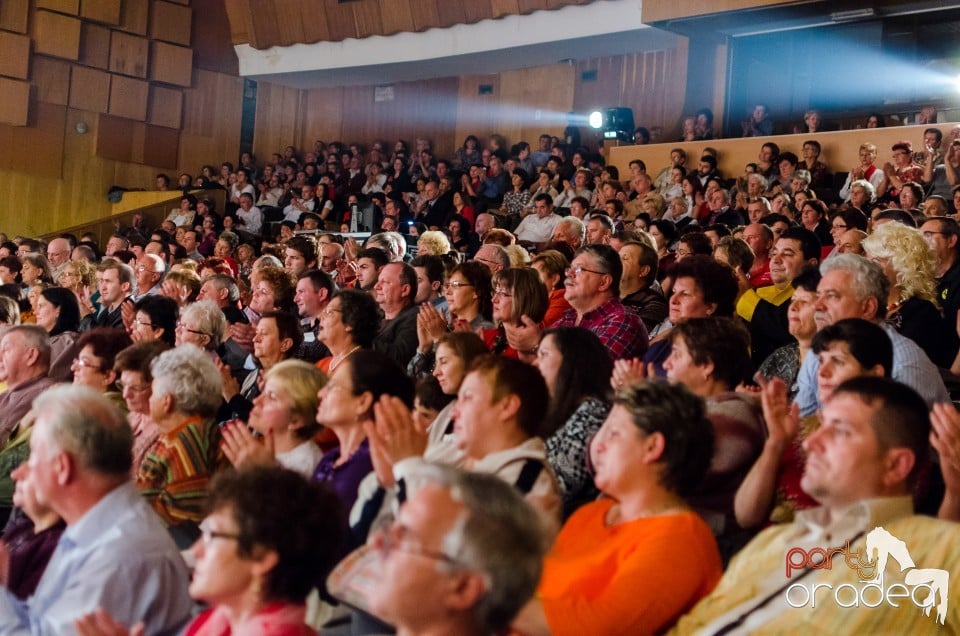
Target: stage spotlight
{"x":616,"y":122}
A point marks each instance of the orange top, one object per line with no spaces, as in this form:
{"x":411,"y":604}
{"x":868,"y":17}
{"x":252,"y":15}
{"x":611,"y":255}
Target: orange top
{"x":636,"y":577}
{"x":558,"y":305}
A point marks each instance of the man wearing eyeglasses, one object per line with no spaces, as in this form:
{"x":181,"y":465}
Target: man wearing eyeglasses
{"x":114,"y":549}
{"x":58,"y":253}
{"x":593,"y":291}
{"x":941,"y":234}
{"x":451,"y":562}
{"x":150,"y":269}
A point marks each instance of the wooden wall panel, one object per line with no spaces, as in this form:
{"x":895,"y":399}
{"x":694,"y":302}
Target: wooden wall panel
{"x":14,"y":15}
{"x":15,"y":105}
{"x":368,"y":18}
{"x":396,"y":17}
{"x":37,"y":148}
{"x":107,"y":11}
{"x":57,"y":35}
{"x":323,"y":115}
{"x":212,"y":111}
{"x":95,"y":46}
{"x":14,"y":55}
{"x":660,"y":10}
{"x":650,"y":83}
{"x":129,"y":97}
{"x":170,"y":22}
{"x":166,"y":107}
{"x":212,"y":47}
{"x":339,"y":23}
{"x":134,"y":15}
{"x":161,"y":146}
{"x":52,"y":80}
{"x":278,"y":118}
{"x":70,"y":7}
{"x":171,"y":64}
{"x":129,"y":54}
{"x":50,"y":174}
{"x":477,"y":114}
{"x":89,"y":89}
{"x":266,"y":23}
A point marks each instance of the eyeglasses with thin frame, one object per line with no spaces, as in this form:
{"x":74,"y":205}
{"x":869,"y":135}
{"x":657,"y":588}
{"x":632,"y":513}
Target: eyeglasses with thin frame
{"x":329,"y":311}
{"x":86,"y":364}
{"x":456,"y":284}
{"x":500,"y":293}
{"x":207,"y":534}
{"x":141,"y":323}
{"x":393,"y":538}
{"x":182,"y":325}
{"x":579,"y":269}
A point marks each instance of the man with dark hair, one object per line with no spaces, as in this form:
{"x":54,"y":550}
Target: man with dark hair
{"x":765,"y":309}
{"x":395,"y":291}
{"x":639,"y":290}
{"x":116,"y":282}
{"x":114,"y":547}
{"x":300,"y":254}
{"x":538,"y":228}
{"x":430,"y":276}
{"x":313,"y":293}
{"x":942,"y":234}
{"x":862,"y":464}
{"x":370,"y":261}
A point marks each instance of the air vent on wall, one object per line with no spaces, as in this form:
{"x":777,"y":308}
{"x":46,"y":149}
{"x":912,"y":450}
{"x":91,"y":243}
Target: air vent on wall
{"x":589,"y":76}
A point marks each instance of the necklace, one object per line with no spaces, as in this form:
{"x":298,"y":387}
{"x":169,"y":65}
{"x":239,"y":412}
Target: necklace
{"x":340,"y":358}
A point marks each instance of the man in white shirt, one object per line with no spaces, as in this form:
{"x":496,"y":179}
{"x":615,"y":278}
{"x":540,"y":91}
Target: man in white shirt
{"x":539,"y":227}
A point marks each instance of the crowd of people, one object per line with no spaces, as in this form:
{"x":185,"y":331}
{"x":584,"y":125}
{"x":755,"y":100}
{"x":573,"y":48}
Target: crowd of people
{"x":540,"y":397}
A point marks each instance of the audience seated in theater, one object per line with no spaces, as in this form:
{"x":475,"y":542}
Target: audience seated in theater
{"x":592,"y":289}
{"x":854,"y":287}
{"x":784,"y":362}
{"x":876,"y":432}
{"x":135,"y":383}
{"x":771,"y":492}
{"x":866,"y":170}
{"x":118,"y":546}
{"x":577,"y":370}
{"x":173,"y":477}
{"x":96,"y":351}
{"x":25,"y":357}
{"x":612,"y":568}
{"x":765,"y":309}
{"x":639,"y":290}
{"x":496,"y":552}
{"x":395,"y":291}
{"x":910,"y":266}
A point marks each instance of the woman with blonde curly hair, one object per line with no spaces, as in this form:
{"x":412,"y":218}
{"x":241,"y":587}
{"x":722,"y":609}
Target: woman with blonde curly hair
{"x":911,"y":306}
{"x":433,"y":242}
{"x":80,"y":277}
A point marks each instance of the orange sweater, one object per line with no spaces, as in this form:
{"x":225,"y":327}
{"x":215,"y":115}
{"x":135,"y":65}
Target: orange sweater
{"x":637,"y":577}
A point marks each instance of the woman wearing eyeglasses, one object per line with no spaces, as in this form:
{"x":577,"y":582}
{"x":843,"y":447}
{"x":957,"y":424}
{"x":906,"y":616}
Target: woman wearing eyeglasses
{"x":258,"y":557}
{"x":348,"y":324}
{"x":155,"y":318}
{"x":469,"y":300}
{"x":132,"y":368}
{"x":93,"y":365}
{"x":516,"y":292}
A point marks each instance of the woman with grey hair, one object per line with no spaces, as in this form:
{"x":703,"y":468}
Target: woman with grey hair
{"x":185,"y":397}
{"x":202,"y":324}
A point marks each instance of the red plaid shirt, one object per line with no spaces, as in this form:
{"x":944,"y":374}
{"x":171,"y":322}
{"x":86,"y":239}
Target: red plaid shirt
{"x":621,"y":331}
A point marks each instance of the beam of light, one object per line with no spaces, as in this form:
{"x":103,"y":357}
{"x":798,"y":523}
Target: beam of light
{"x":596,"y":119}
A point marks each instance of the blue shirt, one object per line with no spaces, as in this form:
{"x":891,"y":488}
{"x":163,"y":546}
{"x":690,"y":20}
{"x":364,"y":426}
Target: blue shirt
{"x":117,"y":556}
{"x":911,"y":366}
